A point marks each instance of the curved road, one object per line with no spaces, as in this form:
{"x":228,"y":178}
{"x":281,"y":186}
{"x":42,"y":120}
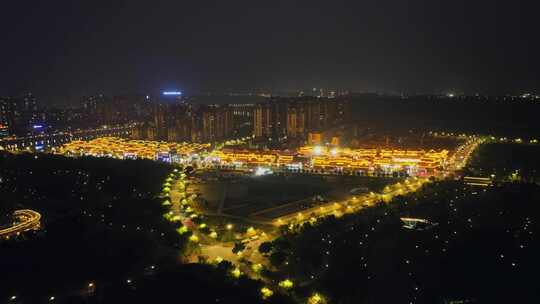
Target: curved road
{"x":25,"y":219}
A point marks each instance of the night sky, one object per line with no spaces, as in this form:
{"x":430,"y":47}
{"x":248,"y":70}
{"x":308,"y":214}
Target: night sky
{"x":70,"y":48}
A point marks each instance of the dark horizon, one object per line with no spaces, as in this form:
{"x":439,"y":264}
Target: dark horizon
{"x":63,"y":49}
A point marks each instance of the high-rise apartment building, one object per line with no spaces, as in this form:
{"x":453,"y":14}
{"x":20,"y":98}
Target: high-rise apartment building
{"x":217,"y":123}
{"x":291,"y":123}
{"x":295,"y":117}
{"x":19,"y":114}
{"x":262,"y":120}
{"x":178,"y":122}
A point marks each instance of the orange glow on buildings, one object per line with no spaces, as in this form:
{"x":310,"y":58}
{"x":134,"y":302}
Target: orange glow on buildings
{"x":123,"y":148}
{"x":321,"y":157}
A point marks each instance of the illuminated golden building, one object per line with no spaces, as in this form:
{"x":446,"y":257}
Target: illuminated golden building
{"x":291,"y":123}
{"x":314,"y":138}
{"x":341,"y":158}
{"x":123,"y":148}
{"x":262,"y":125}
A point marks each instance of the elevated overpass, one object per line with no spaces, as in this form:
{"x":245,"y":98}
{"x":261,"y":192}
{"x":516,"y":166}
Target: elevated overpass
{"x":23,"y":220}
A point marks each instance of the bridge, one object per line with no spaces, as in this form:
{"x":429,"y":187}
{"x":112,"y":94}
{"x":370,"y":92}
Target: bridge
{"x":23,"y":220}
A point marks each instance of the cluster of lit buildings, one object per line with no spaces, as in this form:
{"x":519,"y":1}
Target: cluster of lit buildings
{"x":413,"y":162}
{"x":170,"y":116}
{"x":45,"y":141}
{"x":187,"y":122}
{"x":276,"y":118}
{"x":134,"y":149}
{"x":167,"y":116}
{"x":295,"y":117}
{"x":22,"y":116}
{"x":19,"y":115}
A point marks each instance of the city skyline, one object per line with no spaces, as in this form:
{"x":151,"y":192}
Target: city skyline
{"x":283,"y":152}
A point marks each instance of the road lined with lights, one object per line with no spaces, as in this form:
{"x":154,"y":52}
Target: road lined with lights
{"x":42,"y":141}
{"x":354,"y":204}
{"x":462,"y":154}
{"x":25,"y":219}
{"x":215,"y":251}
{"x":176,"y":189}
{"x":182,"y":209}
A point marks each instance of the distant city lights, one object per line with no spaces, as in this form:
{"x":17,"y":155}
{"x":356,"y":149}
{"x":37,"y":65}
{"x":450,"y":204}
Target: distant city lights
{"x":172,"y":93}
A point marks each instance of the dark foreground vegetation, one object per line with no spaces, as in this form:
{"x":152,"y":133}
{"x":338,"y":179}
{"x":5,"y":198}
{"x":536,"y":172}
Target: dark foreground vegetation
{"x":507,"y":162}
{"x":482,"y":248}
{"x":104,"y":238}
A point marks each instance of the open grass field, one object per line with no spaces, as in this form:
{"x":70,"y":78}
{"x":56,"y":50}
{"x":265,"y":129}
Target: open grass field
{"x":503,"y":160}
{"x":247,"y":195}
